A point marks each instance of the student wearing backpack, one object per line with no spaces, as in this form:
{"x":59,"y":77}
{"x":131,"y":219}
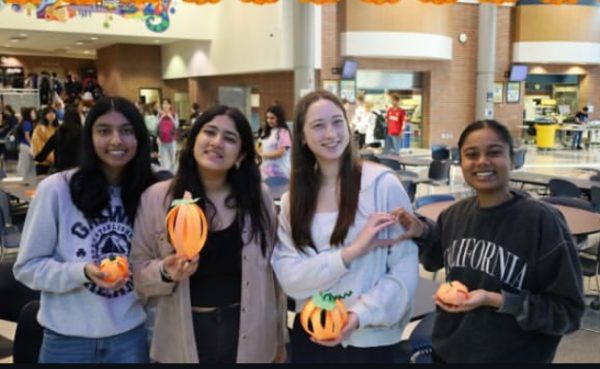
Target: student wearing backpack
{"x":375,"y":128}
{"x":168,"y":123}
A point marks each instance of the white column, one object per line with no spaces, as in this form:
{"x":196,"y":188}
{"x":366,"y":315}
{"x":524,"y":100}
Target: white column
{"x":304,"y":49}
{"x":486,"y":61}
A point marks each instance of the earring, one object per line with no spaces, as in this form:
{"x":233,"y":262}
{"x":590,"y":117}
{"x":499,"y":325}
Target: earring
{"x":316,"y":167}
{"x":237,"y":165}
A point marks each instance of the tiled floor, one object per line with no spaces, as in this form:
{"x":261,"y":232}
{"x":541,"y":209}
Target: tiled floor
{"x":579,"y":347}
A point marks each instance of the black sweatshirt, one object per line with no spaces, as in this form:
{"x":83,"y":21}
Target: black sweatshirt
{"x":522,"y":249}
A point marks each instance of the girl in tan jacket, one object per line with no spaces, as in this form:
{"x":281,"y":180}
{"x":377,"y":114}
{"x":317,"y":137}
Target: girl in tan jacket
{"x":41,"y":134}
{"x":223,"y":306}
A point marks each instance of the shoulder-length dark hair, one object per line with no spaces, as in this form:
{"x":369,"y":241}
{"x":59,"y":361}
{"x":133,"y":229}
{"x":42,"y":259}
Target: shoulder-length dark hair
{"x":89,"y":187}
{"x":245,"y":181}
{"x":44,"y":121}
{"x":306,"y":179}
{"x":279,"y":114}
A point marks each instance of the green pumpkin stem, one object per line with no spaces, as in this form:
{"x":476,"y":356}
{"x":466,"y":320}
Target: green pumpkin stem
{"x":187,"y":199}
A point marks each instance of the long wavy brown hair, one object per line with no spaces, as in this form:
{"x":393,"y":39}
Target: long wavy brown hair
{"x":306,"y":179}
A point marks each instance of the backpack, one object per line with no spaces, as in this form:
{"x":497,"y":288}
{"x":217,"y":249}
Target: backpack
{"x":166,"y":130}
{"x":379,"y":132}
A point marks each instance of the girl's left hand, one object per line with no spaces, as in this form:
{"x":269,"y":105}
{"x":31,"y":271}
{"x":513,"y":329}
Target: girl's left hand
{"x":350,"y":327}
{"x":476,"y":299}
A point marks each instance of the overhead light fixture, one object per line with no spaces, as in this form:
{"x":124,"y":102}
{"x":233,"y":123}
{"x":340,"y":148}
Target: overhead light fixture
{"x":87,"y":52}
{"x":94,"y":38}
{"x":23,"y":34}
{"x":78,"y":43}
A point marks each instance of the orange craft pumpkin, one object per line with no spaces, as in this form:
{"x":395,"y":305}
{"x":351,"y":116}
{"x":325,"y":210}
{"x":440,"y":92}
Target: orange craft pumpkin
{"x":453,"y":293}
{"x":114,"y":267}
{"x":187,"y":226}
{"x":323,"y":317}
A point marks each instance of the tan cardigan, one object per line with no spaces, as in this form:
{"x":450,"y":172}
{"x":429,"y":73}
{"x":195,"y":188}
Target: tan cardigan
{"x":262,"y":320}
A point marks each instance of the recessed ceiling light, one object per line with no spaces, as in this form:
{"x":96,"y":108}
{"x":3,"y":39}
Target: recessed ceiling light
{"x":14,"y":40}
{"x":23,"y":34}
{"x":78,"y":43}
{"x":94,"y":38}
{"x":87,"y":52}
{"x":156,"y":41}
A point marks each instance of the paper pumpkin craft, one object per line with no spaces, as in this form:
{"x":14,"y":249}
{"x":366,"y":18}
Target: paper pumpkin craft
{"x":324,"y":316}
{"x":453,"y":293}
{"x":187,"y":226}
{"x":114,"y":267}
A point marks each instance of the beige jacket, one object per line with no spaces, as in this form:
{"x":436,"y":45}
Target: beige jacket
{"x":262,"y":324}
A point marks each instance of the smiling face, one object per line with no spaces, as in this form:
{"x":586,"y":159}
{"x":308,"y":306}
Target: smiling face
{"x":326,"y":132}
{"x":114,"y":142}
{"x":218,"y":146}
{"x":271,"y":120}
{"x":486,"y":162}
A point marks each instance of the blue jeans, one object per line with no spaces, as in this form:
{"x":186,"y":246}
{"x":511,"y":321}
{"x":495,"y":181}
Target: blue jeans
{"x":392,"y":144}
{"x":576,"y":139}
{"x":128,"y":347}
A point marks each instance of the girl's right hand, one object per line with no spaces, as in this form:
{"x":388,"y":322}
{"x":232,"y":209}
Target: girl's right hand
{"x":178,"y":267}
{"x":414,"y":228}
{"x":366,"y":241}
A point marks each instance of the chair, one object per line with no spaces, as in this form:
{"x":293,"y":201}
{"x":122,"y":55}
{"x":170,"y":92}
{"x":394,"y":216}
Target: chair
{"x":369,"y":157}
{"x":419,"y":346}
{"x":595,"y":178}
{"x":590,"y":267}
{"x":430,"y":199}
{"x":455,"y":155}
{"x":14,"y":294}
{"x":28,"y":335}
{"x":440,"y":152}
{"x":390,"y":163}
{"x":582,"y":240}
{"x":563,"y":187}
{"x":439,"y":173}
{"x":411,"y":189}
{"x":595,"y":198}
{"x":10,"y":235}
{"x":519,"y":158}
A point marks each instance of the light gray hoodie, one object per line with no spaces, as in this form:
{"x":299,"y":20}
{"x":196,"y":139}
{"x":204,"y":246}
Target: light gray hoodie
{"x":56,"y":244}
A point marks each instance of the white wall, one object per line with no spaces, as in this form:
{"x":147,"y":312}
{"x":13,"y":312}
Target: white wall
{"x":247,"y":39}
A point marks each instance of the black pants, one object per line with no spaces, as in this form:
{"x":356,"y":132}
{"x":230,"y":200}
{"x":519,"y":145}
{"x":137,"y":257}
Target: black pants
{"x":305,"y":351}
{"x":217,"y":334}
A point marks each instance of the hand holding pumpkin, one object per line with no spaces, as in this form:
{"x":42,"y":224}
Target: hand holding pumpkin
{"x":179,"y":267}
{"x":97,"y":276}
{"x":351,"y":326}
{"x":452,"y":293}
{"x":476,"y":299}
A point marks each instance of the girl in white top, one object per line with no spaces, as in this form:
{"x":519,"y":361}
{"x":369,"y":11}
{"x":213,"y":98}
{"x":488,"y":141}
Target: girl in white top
{"x":275,"y":143}
{"x":335,"y":235}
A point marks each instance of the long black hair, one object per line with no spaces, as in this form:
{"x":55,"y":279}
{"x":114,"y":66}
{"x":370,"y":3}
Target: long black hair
{"x":245,"y":181}
{"x":279,"y":113}
{"x":89,"y":187}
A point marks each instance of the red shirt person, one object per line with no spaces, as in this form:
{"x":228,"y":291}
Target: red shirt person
{"x":395,"y":118}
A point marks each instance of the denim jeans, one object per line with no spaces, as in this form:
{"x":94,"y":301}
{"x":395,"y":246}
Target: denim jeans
{"x":217,"y":334}
{"x":392,"y":144}
{"x":576,"y":142}
{"x":128,"y":347}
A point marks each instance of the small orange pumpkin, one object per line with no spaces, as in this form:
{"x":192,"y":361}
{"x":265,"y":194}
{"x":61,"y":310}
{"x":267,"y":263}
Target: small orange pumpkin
{"x":187,"y":226}
{"x":114,"y":267}
{"x":324,"y":316}
{"x":453,"y":293}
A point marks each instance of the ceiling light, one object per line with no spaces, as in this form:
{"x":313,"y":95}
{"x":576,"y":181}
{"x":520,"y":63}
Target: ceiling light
{"x":87,"y":52}
{"x":156,"y":41}
{"x":94,"y":38}
{"x":14,"y":40}
{"x":78,"y":43}
{"x":23,"y":34}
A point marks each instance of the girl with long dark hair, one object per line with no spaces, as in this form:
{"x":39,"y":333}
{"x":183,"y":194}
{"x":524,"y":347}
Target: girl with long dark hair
{"x":335,"y":236}
{"x":515,"y":254}
{"x":77,"y":219}
{"x":223,"y":306}
{"x":41,"y":134}
{"x":275,"y":144}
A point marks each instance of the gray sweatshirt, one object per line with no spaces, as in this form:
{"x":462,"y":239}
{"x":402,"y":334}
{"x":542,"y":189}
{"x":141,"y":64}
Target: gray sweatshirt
{"x":56,"y":244}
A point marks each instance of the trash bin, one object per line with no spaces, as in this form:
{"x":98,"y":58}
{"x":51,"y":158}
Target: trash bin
{"x":545,"y":134}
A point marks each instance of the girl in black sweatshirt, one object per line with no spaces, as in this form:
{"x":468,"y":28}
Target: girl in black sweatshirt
{"x":515,"y":254}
